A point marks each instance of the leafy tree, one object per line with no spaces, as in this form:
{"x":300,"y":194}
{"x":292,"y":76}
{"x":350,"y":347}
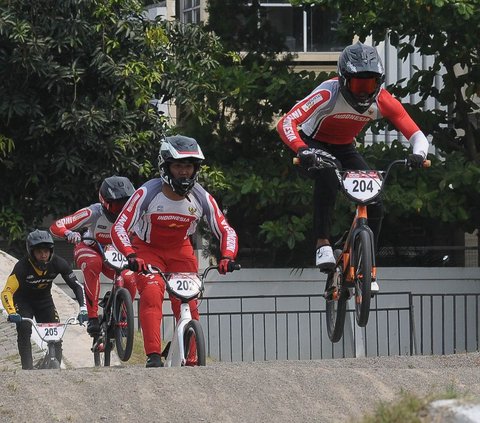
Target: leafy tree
{"x":76,"y":81}
{"x":434,"y":28}
{"x":266,"y":201}
{"x":438,"y":28}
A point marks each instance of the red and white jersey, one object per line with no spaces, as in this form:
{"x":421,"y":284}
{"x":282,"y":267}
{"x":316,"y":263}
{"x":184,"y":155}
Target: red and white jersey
{"x":165,"y":223}
{"x":325,"y":116}
{"x":91,"y":218}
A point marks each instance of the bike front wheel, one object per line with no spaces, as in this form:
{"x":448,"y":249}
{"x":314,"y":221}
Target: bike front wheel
{"x":336,"y":309}
{"x":124,"y":324}
{"x":194,"y":344}
{"x":363,"y":277}
{"x":101,"y":353}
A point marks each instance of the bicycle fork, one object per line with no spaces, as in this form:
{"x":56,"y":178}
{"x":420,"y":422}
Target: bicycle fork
{"x":175,"y":355}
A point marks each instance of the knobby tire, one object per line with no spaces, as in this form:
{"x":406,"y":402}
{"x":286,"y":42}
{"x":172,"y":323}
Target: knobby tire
{"x":363,"y":277}
{"x":193,"y":336}
{"x":335,"y":312}
{"x":124,"y":330}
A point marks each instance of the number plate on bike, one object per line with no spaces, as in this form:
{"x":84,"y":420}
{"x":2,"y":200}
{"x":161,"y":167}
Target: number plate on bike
{"x":185,"y":285}
{"x":114,"y":257}
{"x":51,"y":331}
{"x":362,"y":185}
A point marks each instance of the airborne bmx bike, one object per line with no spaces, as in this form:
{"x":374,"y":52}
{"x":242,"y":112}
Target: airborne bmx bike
{"x":187,"y":347}
{"x":117,"y":319}
{"x":355,"y":267}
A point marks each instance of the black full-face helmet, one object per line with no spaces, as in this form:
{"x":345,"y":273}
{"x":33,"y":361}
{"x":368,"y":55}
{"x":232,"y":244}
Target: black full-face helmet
{"x":361,"y":74}
{"x":39,"y":239}
{"x":182,"y":149}
{"x":113,"y":194}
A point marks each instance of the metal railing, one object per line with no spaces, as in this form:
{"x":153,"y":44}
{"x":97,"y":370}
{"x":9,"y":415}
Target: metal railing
{"x":293,"y":327}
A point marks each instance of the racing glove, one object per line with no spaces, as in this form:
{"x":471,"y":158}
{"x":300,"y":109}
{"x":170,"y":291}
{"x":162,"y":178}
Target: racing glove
{"x":316,"y":157}
{"x":306,"y":156}
{"x":14,"y":318}
{"x":136,"y":264}
{"x":82,"y":315}
{"x":415,"y":161}
{"x":227,"y":264}
{"x":73,"y":237}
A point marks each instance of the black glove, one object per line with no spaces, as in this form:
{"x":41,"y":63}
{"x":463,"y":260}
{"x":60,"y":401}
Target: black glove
{"x":136,"y":264}
{"x":306,"y":156}
{"x":316,"y":157}
{"x":415,"y":161}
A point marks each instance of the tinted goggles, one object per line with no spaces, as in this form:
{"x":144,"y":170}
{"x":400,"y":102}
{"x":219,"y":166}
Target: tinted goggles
{"x":359,"y":86}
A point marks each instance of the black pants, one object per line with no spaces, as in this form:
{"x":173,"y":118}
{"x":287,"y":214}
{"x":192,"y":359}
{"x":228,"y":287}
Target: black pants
{"x":327,"y":185}
{"x":43,"y":309}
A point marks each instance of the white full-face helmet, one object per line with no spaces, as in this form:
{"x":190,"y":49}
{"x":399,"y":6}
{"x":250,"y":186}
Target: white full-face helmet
{"x":179,"y":148}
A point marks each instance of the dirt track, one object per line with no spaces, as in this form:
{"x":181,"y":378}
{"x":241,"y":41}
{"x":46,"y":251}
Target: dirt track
{"x":288,"y":391}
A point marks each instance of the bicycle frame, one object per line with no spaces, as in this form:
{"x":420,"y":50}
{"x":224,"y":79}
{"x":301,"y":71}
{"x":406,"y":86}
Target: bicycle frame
{"x":360,"y":223}
{"x":120,"y":329}
{"x":192,"y":285}
{"x":355,"y":265}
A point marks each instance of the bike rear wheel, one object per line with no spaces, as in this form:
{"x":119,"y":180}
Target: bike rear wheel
{"x":336,"y":310}
{"x":363,"y":277}
{"x":194,"y":344}
{"x":124,"y":324}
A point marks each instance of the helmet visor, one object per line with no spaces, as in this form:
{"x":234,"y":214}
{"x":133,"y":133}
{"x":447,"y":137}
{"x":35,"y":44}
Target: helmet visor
{"x":363,"y":86}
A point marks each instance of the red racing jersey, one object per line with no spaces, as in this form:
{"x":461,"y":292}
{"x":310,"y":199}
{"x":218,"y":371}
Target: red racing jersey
{"x":165,"y":223}
{"x":325,"y":116}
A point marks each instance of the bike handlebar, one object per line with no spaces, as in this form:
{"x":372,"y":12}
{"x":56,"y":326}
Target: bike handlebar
{"x":405,"y":162}
{"x":70,"y":321}
{"x":203,"y":275}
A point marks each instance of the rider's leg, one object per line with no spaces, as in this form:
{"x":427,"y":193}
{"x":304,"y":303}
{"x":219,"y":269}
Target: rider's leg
{"x":324,"y":195}
{"x":151,"y":289}
{"x":90,"y":262}
{"x":24,"y":333}
{"x":129,"y":282}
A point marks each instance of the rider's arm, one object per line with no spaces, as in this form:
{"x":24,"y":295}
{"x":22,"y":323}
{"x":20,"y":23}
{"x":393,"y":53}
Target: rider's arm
{"x":287,"y":126}
{"x":9,"y":289}
{"x":73,"y":222}
{"x":126,"y":220}
{"x":70,"y":279}
{"x":392,"y":109}
{"x":218,"y":223}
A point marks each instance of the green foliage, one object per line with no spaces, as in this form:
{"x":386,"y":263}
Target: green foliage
{"x":437,"y":29}
{"x":76,"y":80}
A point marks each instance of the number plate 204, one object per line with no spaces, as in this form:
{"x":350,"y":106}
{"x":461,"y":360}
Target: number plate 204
{"x":362,"y":185}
